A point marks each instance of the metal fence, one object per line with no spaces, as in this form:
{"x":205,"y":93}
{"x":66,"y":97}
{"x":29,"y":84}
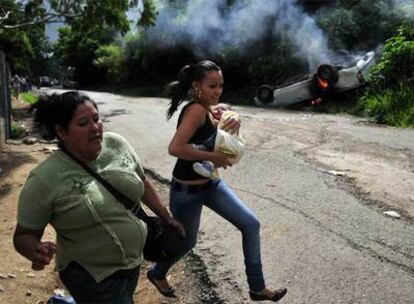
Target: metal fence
{"x":5,"y":100}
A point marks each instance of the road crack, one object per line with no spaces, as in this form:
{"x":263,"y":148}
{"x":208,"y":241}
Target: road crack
{"x":347,"y":240}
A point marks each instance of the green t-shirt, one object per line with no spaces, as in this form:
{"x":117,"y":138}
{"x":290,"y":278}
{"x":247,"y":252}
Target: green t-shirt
{"x":92,"y":227}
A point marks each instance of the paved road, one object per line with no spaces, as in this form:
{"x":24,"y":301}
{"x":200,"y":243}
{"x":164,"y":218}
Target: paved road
{"x":324,"y":235}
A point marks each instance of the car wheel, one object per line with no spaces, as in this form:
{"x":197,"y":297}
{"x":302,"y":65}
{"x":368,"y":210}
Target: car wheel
{"x":265,"y":93}
{"x":326,"y":76}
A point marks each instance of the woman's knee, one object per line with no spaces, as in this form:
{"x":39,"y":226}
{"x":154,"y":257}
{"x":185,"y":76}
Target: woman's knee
{"x":251,"y":225}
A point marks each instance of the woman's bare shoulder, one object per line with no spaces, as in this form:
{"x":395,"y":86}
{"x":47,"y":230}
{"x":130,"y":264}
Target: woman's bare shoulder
{"x":196,"y":109}
{"x":194,"y":116}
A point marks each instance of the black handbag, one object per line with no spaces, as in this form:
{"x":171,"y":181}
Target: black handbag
{"x":164,"y":243}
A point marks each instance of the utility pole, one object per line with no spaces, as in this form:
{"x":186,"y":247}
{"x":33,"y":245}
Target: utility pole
{"x":5,"y":101}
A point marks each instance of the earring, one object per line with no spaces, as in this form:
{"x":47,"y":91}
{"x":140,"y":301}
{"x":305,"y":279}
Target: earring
{"x":198,"y":93}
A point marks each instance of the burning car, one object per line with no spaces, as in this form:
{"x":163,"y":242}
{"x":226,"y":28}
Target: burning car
{"x":327,"y":79}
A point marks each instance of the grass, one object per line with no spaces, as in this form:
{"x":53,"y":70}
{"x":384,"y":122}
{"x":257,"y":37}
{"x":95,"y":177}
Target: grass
{"x":28,"y":97}
{"x":393,"y":107}
{"x":17,"y":130}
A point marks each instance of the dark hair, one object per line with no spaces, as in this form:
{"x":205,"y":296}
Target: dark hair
{"x":178,"y":90}
{"x":57,"y":109}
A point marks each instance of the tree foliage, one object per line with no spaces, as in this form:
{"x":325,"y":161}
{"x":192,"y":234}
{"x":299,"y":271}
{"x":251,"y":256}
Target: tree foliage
{"x":22,"y":29}
{"x":390,"y":99}
{"x":26,"y":47}
{"x":358,"y":25}
{"x":78,"y":50}
{"x":110,"y":58}
{"x":396,"y":64}
{"x":73,"y":12}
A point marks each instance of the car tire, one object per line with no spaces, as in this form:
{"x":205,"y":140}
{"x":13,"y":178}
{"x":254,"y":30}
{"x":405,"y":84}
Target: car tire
{"x":328,"y":73}
{"x":265,"y":94}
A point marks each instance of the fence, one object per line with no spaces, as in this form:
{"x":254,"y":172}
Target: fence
{"x":5,"y":100}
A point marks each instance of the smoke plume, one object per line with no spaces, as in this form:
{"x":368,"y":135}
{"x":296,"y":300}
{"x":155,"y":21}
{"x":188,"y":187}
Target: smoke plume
{"x":211,"y":26}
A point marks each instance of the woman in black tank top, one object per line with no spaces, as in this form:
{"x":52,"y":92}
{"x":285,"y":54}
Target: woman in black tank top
{"x":202,"y":83}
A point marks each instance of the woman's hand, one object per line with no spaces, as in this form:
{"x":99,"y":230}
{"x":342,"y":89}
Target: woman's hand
{"x":220,"y":160}
{"x":231,"y":125}
{"x":177,"y":225}
{"x":43,"y":255}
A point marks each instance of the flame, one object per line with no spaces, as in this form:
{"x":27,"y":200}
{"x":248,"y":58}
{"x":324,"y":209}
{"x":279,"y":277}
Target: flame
{"x":316,"y":101}
{"x":323,"y":84}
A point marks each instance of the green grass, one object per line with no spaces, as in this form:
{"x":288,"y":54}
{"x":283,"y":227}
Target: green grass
{"x":17,"y":130}
{"x":393,"y":107}
{"x":29,"y":97}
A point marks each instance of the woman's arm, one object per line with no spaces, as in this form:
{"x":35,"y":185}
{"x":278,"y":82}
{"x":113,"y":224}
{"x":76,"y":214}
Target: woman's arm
{"x":28,"y":243}
{"x":179,"y":146}
{"x":153,"y":201}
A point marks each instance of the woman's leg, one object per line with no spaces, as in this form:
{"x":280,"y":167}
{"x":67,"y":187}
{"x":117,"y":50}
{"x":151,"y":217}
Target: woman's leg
{"x":185,"y":207}
{"x":226,"y":203}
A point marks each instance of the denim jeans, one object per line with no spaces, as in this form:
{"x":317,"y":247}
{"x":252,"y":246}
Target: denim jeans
{"x":117,"y":288}
{"x":186,"y":206}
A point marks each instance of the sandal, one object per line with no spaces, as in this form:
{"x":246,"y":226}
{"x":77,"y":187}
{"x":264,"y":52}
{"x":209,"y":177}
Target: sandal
{"x":276,"y":296}
{"x":168,"y":292}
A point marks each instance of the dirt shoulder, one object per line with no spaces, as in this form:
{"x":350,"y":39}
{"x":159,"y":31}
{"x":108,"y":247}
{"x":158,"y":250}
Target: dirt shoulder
{"x":27,"y":286}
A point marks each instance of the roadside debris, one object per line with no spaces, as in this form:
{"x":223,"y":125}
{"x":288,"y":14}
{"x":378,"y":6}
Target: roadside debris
{"x":392,"y":214}
{"x":336,"y":173}
{"x":48,"y":150}
{"x":7,"y":276}
{"x":30,"y":140}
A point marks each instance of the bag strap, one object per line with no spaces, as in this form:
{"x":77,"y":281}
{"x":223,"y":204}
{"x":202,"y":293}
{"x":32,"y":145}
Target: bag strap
{"x":122,"y":198}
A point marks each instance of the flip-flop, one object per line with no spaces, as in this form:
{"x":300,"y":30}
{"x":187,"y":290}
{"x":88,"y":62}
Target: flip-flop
{"x":169,"y":292}
{"x":277,"y":295}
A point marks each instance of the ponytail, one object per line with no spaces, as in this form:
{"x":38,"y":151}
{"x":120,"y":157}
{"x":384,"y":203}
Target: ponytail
{"x":178,"y":90}
{"x":43,"y":122}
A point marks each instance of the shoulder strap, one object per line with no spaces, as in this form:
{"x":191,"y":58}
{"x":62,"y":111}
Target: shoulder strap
{"x":122,"y":198}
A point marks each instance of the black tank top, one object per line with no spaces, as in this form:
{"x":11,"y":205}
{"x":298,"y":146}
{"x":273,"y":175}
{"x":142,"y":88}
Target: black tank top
{"x":183,"y":169}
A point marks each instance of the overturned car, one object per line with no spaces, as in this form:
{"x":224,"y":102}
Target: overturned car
{"x":327,"y":79}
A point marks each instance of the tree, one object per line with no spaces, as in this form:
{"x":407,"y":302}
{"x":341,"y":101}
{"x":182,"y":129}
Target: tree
{"x":390,"y":98}
{"x":396,"y":64}
{"x":358,"y":25}
{"x":22,"y":29}
{"x":23,"y":13}
{"x":77,"y":49}
{"x":25,"y":47}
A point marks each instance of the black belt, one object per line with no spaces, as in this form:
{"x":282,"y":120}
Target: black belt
{"x":177,"y":186}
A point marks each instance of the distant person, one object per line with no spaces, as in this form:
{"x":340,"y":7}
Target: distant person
{"x":99,"y":243}
{"x":190,"y":191}
{"x":16,"y":85}
{"x":24,"y":85}
{"x":230,"y":144}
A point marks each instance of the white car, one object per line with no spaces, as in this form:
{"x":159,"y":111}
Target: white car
{"x":327,"y":78}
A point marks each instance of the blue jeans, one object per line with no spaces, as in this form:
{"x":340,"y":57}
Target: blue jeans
{"x":186,"y":204}
{"x":117,"y":288}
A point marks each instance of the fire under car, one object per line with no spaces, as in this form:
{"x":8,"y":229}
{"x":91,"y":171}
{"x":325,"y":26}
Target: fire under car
{"x":327,"y":79}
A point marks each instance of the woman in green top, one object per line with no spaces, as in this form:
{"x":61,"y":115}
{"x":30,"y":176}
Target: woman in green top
{"x":99,"y":242}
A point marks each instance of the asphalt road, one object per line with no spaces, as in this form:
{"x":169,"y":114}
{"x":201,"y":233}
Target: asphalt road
{"x":319,"y":184}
